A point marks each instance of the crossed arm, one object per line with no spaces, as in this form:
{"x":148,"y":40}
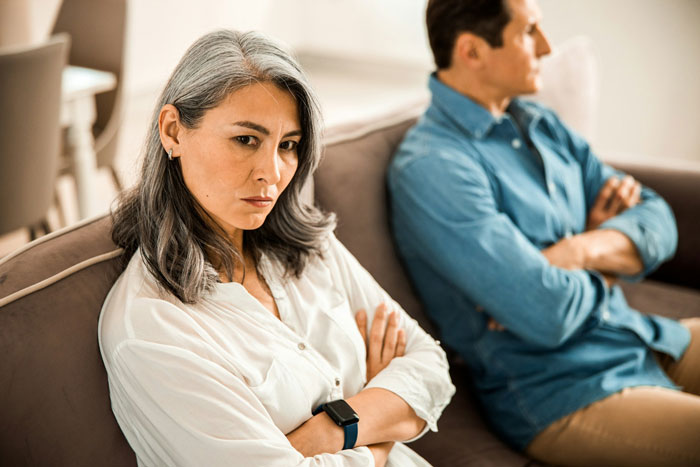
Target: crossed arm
{"x":384,"y":416}
{"x":607,"y":251}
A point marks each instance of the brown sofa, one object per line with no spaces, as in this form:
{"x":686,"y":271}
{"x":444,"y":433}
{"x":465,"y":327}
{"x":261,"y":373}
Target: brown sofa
{"x":55,"y":408}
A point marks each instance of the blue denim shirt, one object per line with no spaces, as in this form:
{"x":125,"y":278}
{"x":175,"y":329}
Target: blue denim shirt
{"x":472,"y":206}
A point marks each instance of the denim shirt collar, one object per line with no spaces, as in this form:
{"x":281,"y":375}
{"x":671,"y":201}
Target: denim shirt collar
{"x":471,"y":116}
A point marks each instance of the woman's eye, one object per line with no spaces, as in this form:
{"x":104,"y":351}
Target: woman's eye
{"x":288,"y":145}
{"x":247,"y":140}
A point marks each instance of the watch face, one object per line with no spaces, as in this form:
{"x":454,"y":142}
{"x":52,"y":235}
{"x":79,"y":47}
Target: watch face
{"x":341,"y":412}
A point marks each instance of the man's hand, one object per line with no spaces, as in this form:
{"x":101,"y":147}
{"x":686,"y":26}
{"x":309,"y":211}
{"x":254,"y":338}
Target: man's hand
{"x":385,"y":341}
{"x":615,"y":197}
{"x":567,"y":253}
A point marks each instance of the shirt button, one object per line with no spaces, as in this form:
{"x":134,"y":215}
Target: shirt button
{"x":605,"y":315}
{"x":301,"y":346}
{"x":516,"y":143}
{"x":552,"y":188}
{"x":568,"y":233}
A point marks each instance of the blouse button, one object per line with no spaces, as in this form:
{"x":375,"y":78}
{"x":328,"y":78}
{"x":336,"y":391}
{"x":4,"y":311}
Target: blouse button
{"x":301,"y":346}
{"x":337,"y":381}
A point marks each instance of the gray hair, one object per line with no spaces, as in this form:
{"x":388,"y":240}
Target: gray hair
{"x":178,"y":240}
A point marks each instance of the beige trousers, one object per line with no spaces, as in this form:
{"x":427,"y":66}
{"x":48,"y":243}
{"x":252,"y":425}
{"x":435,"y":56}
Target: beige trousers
{"x":638,"y":426}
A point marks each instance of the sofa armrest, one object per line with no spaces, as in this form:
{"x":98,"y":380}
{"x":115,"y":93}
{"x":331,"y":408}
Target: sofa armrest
{"x":679,"y":184}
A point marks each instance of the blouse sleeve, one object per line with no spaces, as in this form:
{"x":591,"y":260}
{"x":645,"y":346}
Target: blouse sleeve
{"x":421,"y":377}
{"x":182,"y":409}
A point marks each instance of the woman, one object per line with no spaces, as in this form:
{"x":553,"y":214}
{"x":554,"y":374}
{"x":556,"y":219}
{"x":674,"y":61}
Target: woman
{"x":233,"y":336}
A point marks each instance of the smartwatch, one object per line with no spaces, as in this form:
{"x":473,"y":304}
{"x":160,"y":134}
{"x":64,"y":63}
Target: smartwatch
{"x":343,"y":416}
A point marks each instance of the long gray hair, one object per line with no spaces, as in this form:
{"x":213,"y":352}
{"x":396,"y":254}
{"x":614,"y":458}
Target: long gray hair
{"x":178,"y":240}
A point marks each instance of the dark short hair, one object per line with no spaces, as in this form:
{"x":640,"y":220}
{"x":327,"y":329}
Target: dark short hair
{"x":445,"y":19}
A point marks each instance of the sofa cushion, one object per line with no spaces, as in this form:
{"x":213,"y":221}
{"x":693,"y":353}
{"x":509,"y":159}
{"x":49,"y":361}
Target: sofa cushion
{"x":350,"y":182}
{"x":55,"y":405}
{"x":664,"y":299}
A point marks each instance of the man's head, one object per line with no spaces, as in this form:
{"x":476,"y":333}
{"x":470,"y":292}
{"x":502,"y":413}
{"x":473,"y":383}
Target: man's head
{"x":497,"y":42}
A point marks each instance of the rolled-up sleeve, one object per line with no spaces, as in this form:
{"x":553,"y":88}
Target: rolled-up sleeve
{"x":420,"y":377}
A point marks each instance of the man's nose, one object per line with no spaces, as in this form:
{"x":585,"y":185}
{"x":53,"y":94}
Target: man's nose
{"x":543,"y":45}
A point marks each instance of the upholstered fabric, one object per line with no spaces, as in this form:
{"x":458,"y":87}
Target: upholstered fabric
{"x":55,"y":402}
{"x":350,"y":182}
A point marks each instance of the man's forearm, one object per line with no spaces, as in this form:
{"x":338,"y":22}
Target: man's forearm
{"x":606,"y":250}
{"x":610,"y":251}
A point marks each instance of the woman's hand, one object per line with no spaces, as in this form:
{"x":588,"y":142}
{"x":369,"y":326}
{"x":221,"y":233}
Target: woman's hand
{"x":381,"y":452}
{"x":385,"y":341}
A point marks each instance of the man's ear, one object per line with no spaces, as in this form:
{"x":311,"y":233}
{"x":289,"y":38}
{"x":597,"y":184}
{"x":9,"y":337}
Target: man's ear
{"x":470,"y":50}
{"x":170,"y":129}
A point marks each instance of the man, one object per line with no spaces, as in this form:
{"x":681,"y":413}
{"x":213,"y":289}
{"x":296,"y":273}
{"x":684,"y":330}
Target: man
{"x":514,"y":234}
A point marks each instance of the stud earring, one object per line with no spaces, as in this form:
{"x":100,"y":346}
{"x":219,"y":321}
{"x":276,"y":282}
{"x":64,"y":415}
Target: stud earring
{"x":170,"y":154}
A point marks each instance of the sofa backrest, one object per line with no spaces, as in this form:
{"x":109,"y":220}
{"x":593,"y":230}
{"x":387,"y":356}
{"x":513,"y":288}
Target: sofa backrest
{"x":350,"y":181}
{"x":55,"y":407}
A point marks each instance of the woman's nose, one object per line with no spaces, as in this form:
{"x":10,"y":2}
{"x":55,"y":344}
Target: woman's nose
{"x":268,"y":169}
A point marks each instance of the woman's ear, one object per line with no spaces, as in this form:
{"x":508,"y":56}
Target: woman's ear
{"x":170,"y":129}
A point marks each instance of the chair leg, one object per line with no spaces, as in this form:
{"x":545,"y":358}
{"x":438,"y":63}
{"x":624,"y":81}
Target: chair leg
{"x":115,"y":177}
{"x":45,"y":226}
{"x":60,"y":212}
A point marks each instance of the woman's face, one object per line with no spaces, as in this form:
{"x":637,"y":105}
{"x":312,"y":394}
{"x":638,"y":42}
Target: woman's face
{"x":242,"y":155}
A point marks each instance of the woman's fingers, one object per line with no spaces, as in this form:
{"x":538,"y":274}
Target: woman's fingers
{"x":385,"y":341}
{"x":376,"y":335}
{"x":401,"y":345}
{"x":361,"y":320}
{"x":390,"y":338}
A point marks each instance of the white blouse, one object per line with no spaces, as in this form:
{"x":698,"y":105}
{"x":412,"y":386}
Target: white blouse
{"x":221,"y":382}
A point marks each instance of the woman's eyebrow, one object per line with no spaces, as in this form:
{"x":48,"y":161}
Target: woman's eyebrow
{"x":253,"y":126}
{"x":263,"y":130}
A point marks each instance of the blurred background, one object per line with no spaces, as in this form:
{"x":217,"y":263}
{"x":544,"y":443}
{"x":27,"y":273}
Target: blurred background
{"x":365,"y":56}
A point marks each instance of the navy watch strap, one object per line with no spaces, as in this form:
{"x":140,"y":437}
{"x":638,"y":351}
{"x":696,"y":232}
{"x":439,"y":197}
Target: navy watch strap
{"x":349,"y":430}
{"x":350,"y":436}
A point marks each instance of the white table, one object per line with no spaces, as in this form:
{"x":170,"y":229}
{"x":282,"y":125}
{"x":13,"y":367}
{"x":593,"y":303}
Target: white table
{"x":78,"y":113}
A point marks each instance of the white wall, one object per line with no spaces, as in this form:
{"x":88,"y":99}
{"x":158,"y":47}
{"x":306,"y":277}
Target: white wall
{"x":649,"y":64}
{"x":161,"y":30}
{"x":648,"y":50}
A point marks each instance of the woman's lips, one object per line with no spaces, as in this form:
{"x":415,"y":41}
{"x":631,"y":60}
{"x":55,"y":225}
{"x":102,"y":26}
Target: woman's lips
{"x":259,"y":201}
